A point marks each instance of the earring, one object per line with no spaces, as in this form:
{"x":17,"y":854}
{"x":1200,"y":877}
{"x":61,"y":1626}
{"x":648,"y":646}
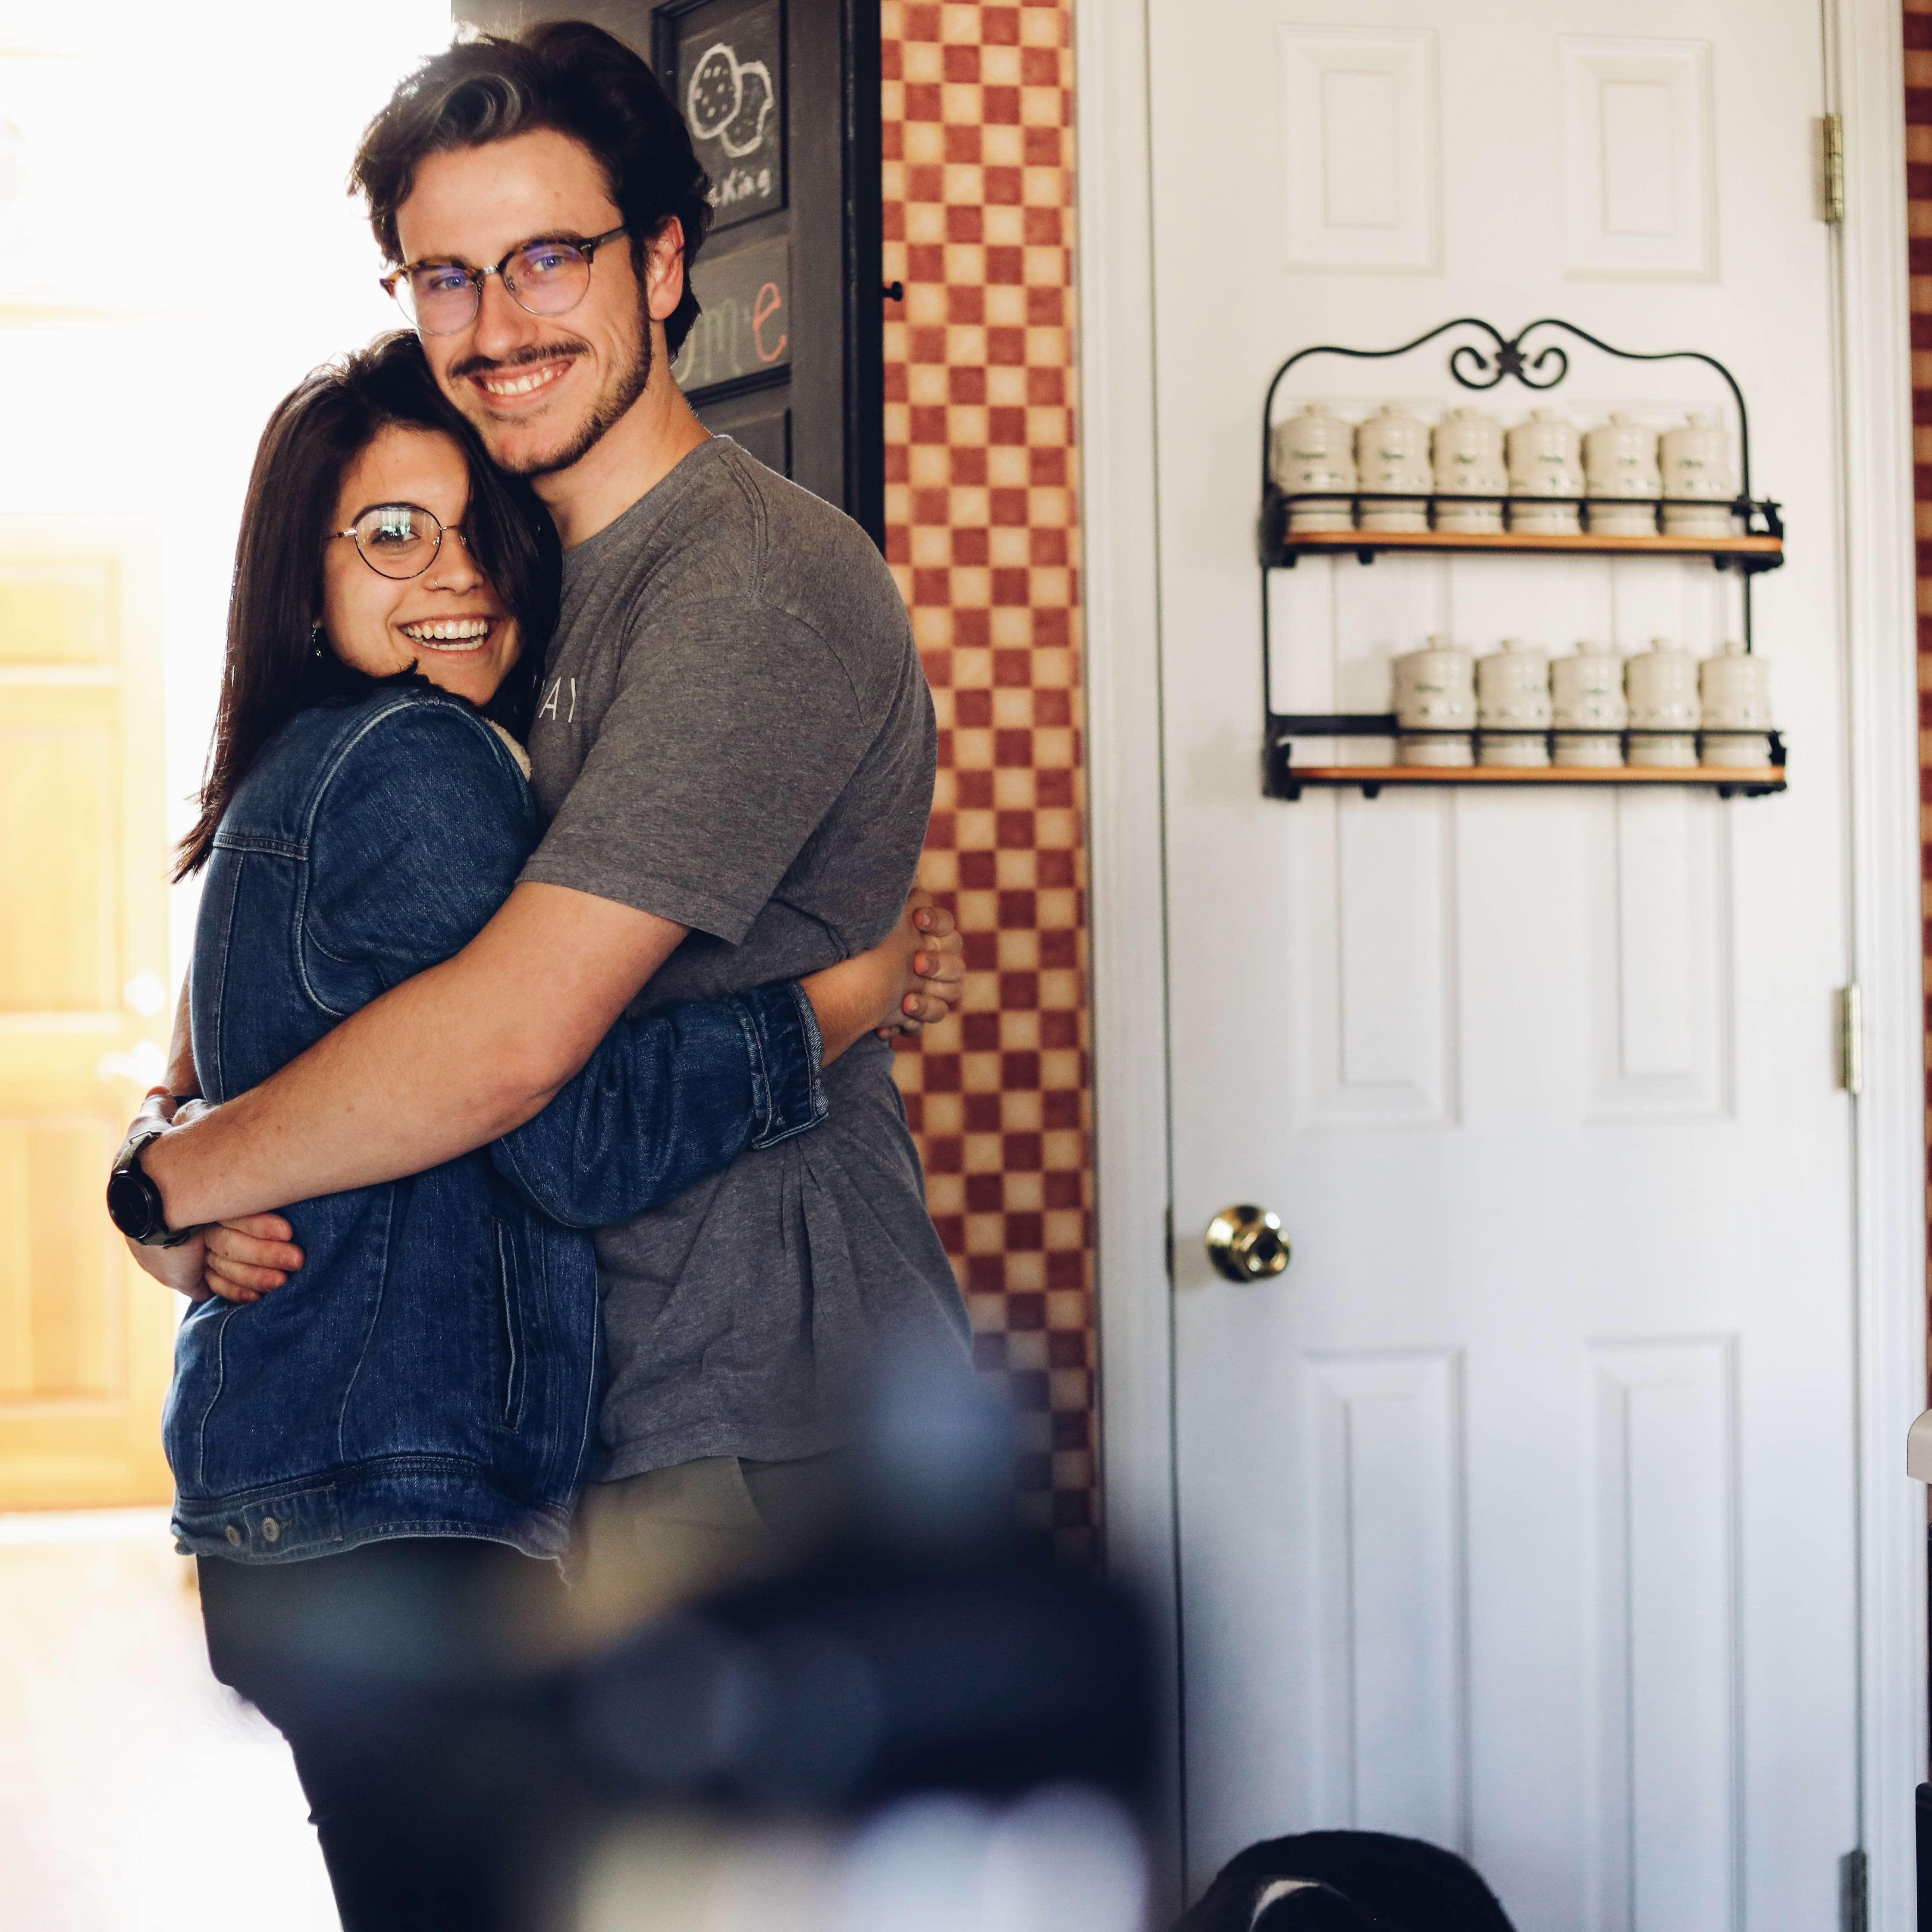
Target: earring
{"x":318,"y":641}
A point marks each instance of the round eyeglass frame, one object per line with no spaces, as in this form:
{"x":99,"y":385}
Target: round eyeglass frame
{"x":396,"y":282}
{"x":435,"y":522}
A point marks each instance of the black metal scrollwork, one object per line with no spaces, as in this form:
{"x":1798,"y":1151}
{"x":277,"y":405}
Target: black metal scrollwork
{"x":1508,"y":361}
{"x":1475,"y":368}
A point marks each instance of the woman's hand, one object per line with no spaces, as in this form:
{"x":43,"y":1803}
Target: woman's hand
{"x":911,"y":979}
{"x":248,"y":1257}
{"x":181,"y":1268}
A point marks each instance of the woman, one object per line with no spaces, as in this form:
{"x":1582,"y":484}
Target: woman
{"x":367,"y":1457}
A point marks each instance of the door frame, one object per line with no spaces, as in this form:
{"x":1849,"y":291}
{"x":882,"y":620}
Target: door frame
{"x":1864,"y":80}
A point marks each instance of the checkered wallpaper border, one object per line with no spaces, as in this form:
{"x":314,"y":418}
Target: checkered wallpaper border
{"x":982,"y":535}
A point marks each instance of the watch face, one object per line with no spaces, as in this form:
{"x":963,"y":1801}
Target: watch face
{"x":131,"y":1203}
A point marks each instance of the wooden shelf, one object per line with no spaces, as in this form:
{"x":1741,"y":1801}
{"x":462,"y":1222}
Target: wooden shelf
{"x":1751,"y":552}
{"x":1755,"y":780}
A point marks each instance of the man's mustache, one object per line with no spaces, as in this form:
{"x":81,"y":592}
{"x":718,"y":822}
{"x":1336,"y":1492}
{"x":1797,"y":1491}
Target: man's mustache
{"x":539,"y":352}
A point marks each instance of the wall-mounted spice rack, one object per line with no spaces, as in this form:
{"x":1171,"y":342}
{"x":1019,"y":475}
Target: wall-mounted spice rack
{"x":1757,"y":546}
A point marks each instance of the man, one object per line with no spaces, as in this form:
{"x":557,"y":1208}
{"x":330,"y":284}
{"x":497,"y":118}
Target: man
{"x":734,"y":750}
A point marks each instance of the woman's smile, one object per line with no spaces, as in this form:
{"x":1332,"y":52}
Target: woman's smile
{"x":452,"y":636}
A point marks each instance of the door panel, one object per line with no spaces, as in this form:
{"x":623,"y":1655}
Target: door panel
{"x":1518,"y":1514}
{"x":85,"y":1339}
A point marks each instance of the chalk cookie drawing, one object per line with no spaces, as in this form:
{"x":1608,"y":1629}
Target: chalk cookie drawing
{"x":729,"y":100}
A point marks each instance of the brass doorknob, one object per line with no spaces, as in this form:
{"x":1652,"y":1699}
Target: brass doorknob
{"x":1246,"y":1244}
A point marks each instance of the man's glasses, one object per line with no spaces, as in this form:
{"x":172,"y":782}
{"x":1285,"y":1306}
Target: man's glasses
{"x":544,"y":278}
{"x":398,"y":539}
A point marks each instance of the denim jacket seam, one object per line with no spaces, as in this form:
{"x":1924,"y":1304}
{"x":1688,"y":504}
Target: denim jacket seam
{"x":304,"y":938}
{"x":816,"y":1107}
{"x":333,"y":1475}
{"x":761,"y":1081}
{"x":261,"y":841}
{"x":592,"y":1393}
{"x":403,"y":701}
{"x":214,"y":1395}
{"x":375,"y":1318}
{"x":218,"y":996}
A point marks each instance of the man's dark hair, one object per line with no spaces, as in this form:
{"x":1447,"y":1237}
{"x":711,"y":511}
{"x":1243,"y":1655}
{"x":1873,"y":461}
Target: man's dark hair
{"x":572,"y":78}
{"x":277,"y":664}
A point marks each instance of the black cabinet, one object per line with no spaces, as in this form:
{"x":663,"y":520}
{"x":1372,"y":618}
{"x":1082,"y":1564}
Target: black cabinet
{"x":781,"y":97}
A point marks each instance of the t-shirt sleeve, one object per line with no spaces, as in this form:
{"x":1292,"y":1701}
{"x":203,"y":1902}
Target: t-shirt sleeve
{"x":733,"y":729}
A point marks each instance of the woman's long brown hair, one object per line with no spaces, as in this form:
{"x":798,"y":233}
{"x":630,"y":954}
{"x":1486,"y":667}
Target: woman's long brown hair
{"x":274,"y":668}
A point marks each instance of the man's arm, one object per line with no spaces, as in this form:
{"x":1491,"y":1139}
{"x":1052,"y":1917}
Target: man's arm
{"x":444,"y":1062}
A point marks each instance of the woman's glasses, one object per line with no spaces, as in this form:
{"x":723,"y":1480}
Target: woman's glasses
{"x":398,"y":539}
{"x":544,"y":277}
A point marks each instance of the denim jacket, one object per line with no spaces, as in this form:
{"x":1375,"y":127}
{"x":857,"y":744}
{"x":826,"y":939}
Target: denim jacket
{"x":433,"y":1369}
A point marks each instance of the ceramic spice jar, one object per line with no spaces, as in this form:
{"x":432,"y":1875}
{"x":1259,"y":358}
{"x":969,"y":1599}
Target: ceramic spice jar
{"x":1392,"y":455}
{"x":1471,"y":481}
{"x":1588,"y":706}
{"x":1695,"y":461}
{"x":1512,"y":706}
{"x":1314,"y":450}
{"x":1546,"y":459}
{"x":1735,"y":688}
{"x":1620,"y":460}
{"x":1664,"y":707}
{"x":1435,"y":690}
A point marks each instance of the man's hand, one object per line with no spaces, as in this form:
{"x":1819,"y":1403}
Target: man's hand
{"x":933,"y":977}
{"x":912,"y":978}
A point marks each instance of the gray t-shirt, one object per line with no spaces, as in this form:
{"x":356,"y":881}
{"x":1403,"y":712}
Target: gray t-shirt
{"x":735,"y":733}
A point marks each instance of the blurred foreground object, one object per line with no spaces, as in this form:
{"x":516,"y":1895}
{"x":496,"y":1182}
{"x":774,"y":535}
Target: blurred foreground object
{"x":1064,"y":1859}
{"x":928,"y":1725}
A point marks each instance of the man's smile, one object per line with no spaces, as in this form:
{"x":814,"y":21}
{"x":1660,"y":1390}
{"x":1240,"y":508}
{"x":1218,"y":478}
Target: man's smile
{"x":513,"y":385}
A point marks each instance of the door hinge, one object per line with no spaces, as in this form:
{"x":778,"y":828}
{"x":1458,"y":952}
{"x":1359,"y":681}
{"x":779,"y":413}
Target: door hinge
{"x":1854,"y":1891}
{"x":1852,"y":1039}
{"x":1170,"y":1240}
{"x":1831,"y":168}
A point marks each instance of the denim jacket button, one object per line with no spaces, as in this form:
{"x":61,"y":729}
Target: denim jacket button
{"x":235,"y":1535}
{"x":271,"y":1529}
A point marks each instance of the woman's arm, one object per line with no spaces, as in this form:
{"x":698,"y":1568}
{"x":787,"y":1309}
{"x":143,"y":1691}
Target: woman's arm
{"x":669,"y":1100}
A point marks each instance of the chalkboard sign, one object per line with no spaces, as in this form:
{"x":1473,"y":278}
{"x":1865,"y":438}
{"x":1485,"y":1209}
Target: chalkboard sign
{"x":730,"y":69}
{"x":787,"y":356}
{"x":745,"y":326}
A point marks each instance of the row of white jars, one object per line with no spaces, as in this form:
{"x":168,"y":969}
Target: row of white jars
{"x":1462,"y":462}
{"x":1663,"y":697}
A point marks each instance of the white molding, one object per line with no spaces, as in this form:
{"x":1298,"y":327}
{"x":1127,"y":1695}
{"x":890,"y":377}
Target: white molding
{"x":1864,"y":51}
{"x":1115,"y":277}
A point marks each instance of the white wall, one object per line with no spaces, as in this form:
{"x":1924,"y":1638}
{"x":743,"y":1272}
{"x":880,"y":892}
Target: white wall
{"x":186,"y":165}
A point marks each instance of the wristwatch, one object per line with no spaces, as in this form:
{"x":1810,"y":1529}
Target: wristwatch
{"x":134,"y":1202}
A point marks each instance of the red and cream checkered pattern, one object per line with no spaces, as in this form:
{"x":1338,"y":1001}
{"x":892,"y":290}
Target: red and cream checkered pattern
{"x":983,"y":534}
{"x":1918,"y":15}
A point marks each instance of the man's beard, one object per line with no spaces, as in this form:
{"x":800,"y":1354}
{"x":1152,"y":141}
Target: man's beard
{"x":628,"y":384}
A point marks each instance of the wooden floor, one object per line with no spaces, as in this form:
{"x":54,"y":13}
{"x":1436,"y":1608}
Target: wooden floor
{"x":136,"y":1795}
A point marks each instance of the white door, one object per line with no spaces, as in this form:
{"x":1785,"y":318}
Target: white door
{"x":1517,"y":1515}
